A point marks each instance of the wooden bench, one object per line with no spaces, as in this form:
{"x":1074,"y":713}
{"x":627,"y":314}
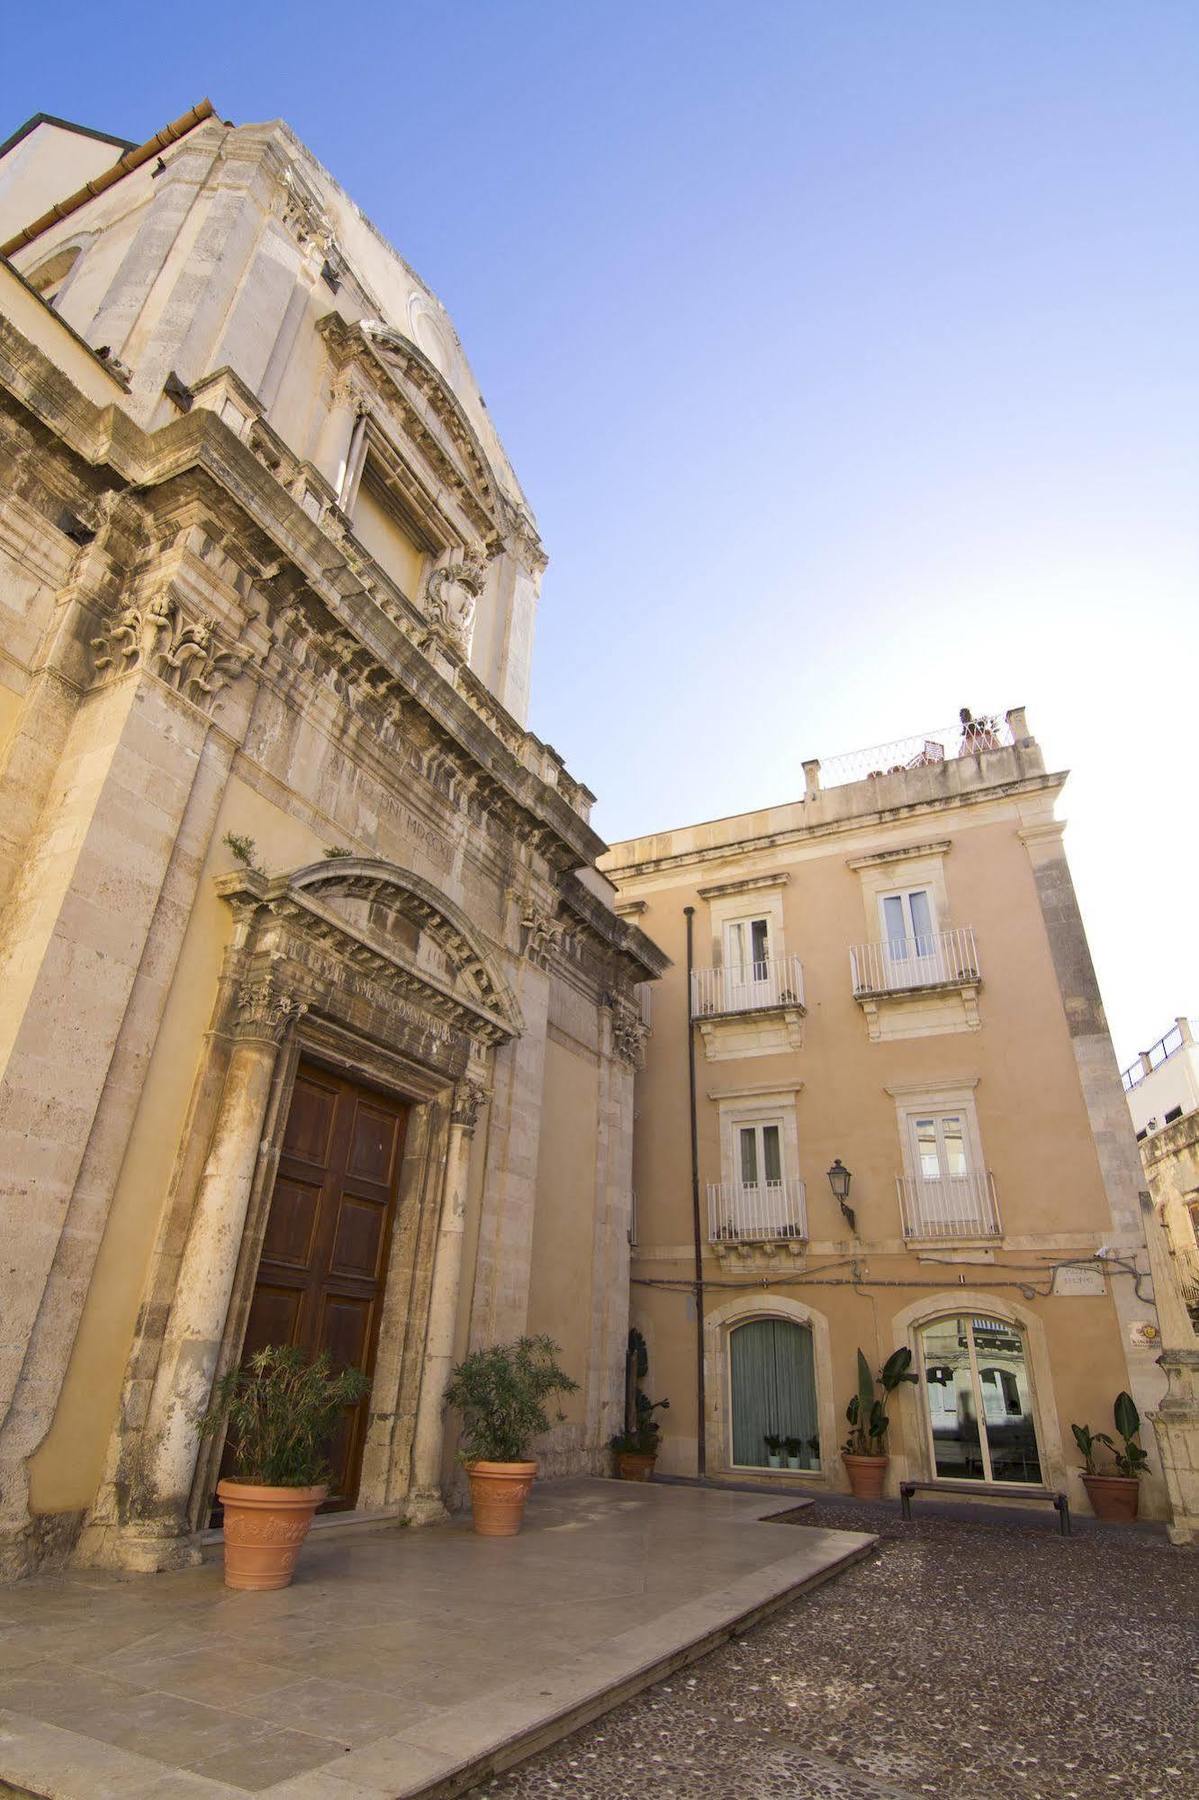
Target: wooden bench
{"x":993,"y":1491}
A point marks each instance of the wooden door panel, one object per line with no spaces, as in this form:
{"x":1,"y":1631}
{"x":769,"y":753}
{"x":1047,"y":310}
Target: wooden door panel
{"x":309,"y":1132}
{"x":275,"y":1314}
{"x":373,"y":1144}
{"x":358,"y":1239}
{"x":291,"y":1227}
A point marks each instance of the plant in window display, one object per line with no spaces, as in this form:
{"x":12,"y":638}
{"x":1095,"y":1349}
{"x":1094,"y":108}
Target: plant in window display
{"x":864,"y":1452}
{"x":774,"y":1450}
{"x":794,"y":1449}
{"x":814,"y":1451}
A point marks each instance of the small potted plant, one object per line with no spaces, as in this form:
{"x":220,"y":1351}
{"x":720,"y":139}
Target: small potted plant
{"x":774,"y":1450}
{"x":814,"y":1451}
{"x":1114,"y":1497}
{"x":279,"y":1411}
{"x":794,"y":1448}
{"x":501,"y":1394}
{"x":636,"y":1447}
{"x":864,"y":1452}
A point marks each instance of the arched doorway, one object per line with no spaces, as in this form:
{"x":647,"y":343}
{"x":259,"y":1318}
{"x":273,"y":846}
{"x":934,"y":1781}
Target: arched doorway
{"x":772,"y":1391}
{"x":978,"y":1400}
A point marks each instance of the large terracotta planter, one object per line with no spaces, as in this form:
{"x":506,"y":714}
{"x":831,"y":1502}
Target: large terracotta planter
{"x":265,"y":1528}
{"x":1113,"y":1497}
{"x":866,"y":1475}
{"x":634,"y":1465}
{"x":498,"y":1492}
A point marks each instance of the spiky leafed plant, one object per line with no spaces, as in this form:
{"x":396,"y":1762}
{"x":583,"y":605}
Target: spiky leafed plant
{"x":867,"y":1415}
{"x":280,"y":1410}
{"x":501,"y":1394}
{"x":1087,"y":1441}
{"x":1131,"y":1460}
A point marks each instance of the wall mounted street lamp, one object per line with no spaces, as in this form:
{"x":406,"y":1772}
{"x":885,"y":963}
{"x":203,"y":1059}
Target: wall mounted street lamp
{"x":839,"y":1179}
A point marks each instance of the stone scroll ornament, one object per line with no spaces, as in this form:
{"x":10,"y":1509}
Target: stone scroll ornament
{"x":451,"y":597}
{"x":190,"y":655}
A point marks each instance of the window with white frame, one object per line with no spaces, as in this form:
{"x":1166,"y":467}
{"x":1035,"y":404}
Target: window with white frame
{"x":760,"y":1195}
{"x":908,"y":923}
{"x":945,"y":1188}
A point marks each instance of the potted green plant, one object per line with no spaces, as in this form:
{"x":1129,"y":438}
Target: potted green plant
{"x":794,"y":1448}
{"x":864,"y":1452}
{"x":1114,"y":1497}
{"x":501,"y":1393}
{"x":636,"y":1447}
{"x":774,"y":1450}
{"x":278,"y":1412}
{"x":814,"y":1451}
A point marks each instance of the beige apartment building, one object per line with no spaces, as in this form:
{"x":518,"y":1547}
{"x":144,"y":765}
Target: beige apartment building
{"x":887,"y":977}
{"x":318,"y":1024}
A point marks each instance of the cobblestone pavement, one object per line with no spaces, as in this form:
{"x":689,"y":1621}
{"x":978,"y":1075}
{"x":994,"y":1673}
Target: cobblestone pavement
{"x":968,"y":1659}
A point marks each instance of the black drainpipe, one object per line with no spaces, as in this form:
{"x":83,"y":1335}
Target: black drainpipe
{"x":701,"y":1448}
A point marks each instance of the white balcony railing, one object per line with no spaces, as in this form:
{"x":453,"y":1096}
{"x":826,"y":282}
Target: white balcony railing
{"x":915,"y":962}
{"x":950,"y":1206}
{"x":944,"y":743}
{"x":747,"y":987}
{"x":766,"y":1212}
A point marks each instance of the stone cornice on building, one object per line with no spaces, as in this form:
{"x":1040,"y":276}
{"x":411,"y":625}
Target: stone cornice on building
{"x":640,"y":956}
{"x":308,"y":581}
{"x":1011,"y":773}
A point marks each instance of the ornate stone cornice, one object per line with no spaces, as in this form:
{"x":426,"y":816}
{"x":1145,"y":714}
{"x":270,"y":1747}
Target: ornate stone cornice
{"x":188,"y":652}
{"x":540,"y":937}
{"x":629,"y":1037}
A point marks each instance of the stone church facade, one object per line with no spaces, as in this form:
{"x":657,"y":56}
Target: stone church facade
{"x":318,"y":1022}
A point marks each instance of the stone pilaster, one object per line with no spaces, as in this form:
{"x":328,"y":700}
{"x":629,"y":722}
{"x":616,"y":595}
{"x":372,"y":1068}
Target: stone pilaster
{"x":1107,"y":1109}
{"x":74,"y":943}
{"x":158,"y":1535}
{"x":505,"y":1255}
{"x":425,"y":1504}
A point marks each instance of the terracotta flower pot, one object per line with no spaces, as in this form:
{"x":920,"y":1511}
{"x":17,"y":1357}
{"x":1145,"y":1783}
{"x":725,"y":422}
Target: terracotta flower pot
{"x":1113,"y":1497}
{"x":265,"y":1528}
{"x":498,"y":1492}
{"x":634,"y":1465}
{"x":866,"y":1475}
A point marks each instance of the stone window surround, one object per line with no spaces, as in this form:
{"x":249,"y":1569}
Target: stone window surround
{"x":900,"y":871}
{"x":755,"y":897}
{"x":718,"y":1426}
{"x":952,"y":1094}
{"x":758,"y":1106}
{"x":435,"y":1072}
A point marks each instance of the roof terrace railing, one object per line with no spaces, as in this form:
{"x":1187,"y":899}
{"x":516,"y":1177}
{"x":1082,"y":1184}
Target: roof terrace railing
{"x":970,"y":736}
{"x":1153,"y":1058}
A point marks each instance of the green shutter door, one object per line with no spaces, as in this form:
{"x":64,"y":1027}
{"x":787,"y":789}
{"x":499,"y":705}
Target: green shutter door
{"x":773,"y":1387}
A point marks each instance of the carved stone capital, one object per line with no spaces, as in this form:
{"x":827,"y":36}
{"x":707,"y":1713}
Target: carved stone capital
{"x":468,"y":1102}
{"x":265,"y":1009}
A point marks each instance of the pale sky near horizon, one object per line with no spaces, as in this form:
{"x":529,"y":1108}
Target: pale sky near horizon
{"x":848,"y":354}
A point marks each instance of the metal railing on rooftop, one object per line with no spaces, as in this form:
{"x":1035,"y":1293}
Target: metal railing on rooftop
{"x":1156,"y":1055}
{"x":944,"y":743}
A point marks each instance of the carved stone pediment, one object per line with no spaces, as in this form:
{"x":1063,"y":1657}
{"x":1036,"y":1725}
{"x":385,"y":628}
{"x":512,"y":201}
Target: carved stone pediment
{"x":388,"y":925}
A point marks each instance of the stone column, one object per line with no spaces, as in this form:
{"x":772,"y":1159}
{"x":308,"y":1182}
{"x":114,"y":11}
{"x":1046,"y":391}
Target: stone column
{"x":191,"y":1347}
{"x":425,"y":1505}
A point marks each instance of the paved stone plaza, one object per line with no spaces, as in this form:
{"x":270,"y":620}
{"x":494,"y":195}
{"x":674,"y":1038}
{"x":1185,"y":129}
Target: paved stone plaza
{"x":398,"y":1657}
{"x":976,"y":1656}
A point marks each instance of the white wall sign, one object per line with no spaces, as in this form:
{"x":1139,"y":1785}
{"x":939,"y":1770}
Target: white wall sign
{"x":1078,"y":1281}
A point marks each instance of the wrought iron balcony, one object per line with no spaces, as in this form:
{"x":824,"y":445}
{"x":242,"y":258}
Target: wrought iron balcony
{"x":949,"y":1206}
{"x":900,"y":965}
{"x":766,"y":1212}
{"x":747,"y":987}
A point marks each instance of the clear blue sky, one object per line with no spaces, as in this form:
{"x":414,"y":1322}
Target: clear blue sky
{"x":849,"y":355}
